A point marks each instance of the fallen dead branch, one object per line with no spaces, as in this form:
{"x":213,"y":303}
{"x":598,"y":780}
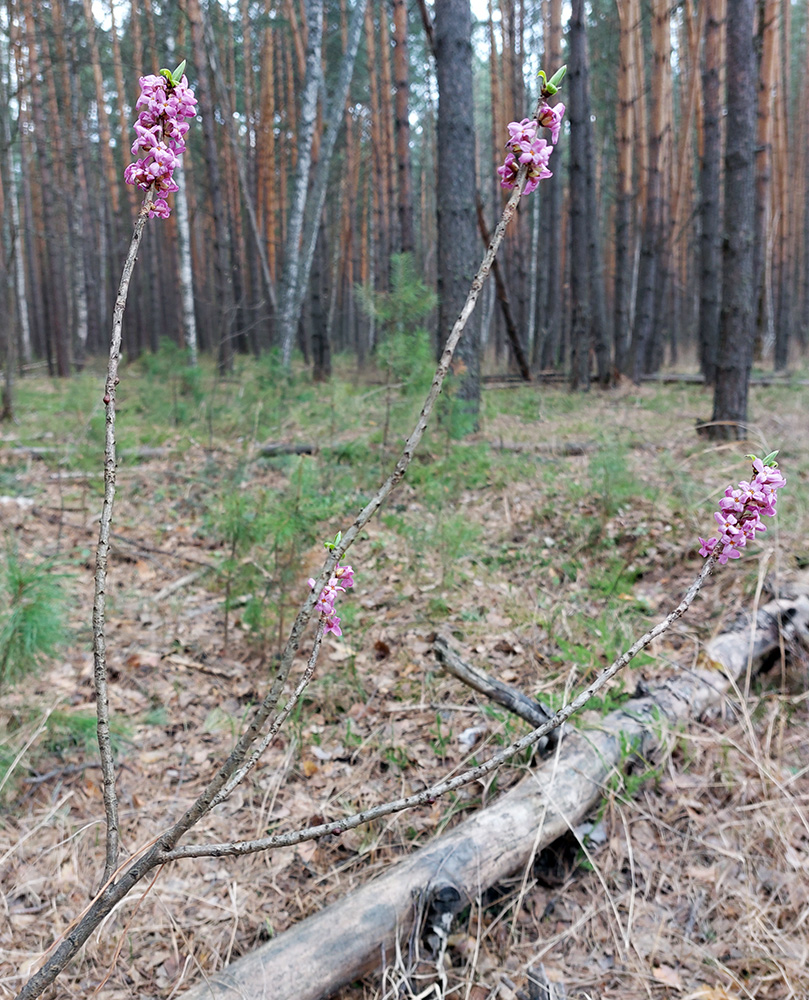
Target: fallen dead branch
{"x":560,"y":448}
{"x":357,"y":935}
{"x":534,"y":712}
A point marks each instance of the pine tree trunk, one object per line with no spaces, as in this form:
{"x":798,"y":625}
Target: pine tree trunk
{"x":17,"y":296}
{"x":710,"y":216}
{"x":624,"y":202}
{"x":644,"y":329}
{"x":53,"y":275}
{"x":787,"y":180}
{"x":457,"y":242}
{"x":580,"y":303}
{"x":763,"y":261}
{"x":321,"y":346}
{"x":552,"y":212}
{"x":388,"y":123}
{"x":401,"y":71}
{"x":736,"y":322}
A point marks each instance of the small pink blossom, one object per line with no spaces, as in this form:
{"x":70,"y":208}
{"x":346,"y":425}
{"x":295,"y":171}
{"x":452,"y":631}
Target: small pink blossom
{"x":160,"y":129}
{"x":552,"y":118}
{"x":740,"y":512}
{"x":340,"y":581}
{"x":526,"y":150}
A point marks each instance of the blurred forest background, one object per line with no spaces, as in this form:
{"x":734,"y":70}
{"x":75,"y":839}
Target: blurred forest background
{"x":242,"y":266}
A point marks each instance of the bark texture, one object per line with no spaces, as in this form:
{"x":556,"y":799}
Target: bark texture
{"x":710,"y":283}
{"x":456,"y":197}
{"x":736,"y":321}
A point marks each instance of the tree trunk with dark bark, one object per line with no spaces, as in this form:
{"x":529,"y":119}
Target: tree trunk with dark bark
{"x":551,"y":240}
{"x":624,"y":199}
{"x":736,"y":328}
{"x":457,"y":241}
{"x":581,"y":304}
{"x":710,"y":284}
{"x":401,"y":73}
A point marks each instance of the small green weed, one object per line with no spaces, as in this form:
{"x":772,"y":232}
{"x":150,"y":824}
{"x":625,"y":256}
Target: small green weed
{"x":68,"y":730}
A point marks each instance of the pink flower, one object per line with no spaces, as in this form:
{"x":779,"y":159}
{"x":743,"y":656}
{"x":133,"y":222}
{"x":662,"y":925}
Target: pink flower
{"x":552,"y":118}
{"x":339,"y":582}
{"x":525,"y":149}
{"x":520,"y":132}
{"x":333,"y":625}
{"x":740,"y":512}
{"x":160,"y":129}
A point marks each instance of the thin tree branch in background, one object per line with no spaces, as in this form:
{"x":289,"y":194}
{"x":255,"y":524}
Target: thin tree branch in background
{"x":102,"y":553}
{"x":534,"y":712}
{"x":427,"y":21}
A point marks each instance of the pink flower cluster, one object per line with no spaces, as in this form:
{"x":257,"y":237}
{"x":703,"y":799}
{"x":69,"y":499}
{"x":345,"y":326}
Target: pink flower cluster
{"x":160,"y":129}
{"x":740,"y":511}
{"x":342,"y":579}
{"x":524,"y":147}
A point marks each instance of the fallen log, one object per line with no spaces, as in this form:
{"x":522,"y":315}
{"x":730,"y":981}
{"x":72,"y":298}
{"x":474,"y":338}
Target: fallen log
{"x":694,"y":378}
{"x":357,"y":934}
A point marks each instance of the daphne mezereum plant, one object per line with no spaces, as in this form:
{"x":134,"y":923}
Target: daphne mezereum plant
{"x":164,"y":104}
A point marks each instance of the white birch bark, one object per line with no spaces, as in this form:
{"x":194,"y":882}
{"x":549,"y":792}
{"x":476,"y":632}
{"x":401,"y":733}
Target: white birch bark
{"x":334,"y":116}
{"x":288,"y":319}
{"x":185,"y":272}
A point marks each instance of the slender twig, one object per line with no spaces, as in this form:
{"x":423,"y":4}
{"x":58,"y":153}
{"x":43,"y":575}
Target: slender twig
{"x":277,"y":722}
{"x":467,"y":777}
{"x":102,"y":552}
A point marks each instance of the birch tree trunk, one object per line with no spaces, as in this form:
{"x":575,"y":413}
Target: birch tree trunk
{"x":317,"y":198}
{"x":287,"y":313}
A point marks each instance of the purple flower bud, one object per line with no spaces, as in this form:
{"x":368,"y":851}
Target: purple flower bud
{"x":740,"y":510}
{"x":160,"y":129}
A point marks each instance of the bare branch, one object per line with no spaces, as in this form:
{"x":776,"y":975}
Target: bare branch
{"x":102,"y":552}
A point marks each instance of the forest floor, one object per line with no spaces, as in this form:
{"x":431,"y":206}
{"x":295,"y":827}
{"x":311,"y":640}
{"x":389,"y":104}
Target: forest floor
{"x":695,"y":882}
